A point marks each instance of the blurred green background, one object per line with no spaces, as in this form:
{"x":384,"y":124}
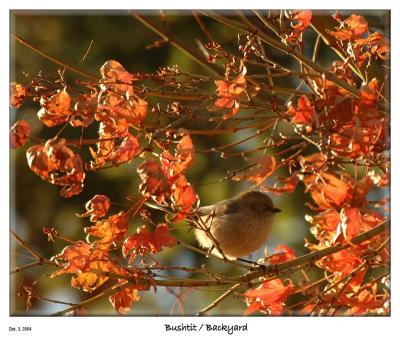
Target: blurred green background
{"x":34,"y":203}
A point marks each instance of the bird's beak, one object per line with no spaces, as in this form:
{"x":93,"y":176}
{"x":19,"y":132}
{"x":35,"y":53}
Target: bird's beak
{"x":276,"y":210}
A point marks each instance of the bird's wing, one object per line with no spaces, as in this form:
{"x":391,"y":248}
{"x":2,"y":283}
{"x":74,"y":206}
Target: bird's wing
{"x":223,"y":207}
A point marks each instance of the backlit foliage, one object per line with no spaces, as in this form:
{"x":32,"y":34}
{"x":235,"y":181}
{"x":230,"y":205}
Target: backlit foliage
{"x":326,"y":136}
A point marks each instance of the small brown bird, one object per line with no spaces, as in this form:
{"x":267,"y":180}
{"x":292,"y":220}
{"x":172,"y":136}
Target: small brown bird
{"x":239,"y":225}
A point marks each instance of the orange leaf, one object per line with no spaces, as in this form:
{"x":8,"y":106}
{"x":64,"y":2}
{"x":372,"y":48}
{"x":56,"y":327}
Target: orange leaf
{"x":162,"y":237}
{"x":125,"y":152}
{"x":304,"y":113}
{"x":359,"y":191}
{"x":146,"y":242}
{"x":59,"y":165}
{"x":119,"y":113}
{"x":183,"y":197}
{"x":230,"y":92}
{"x":268,"y":297}
{"x":96,"y":207}
{"x":84,"y":110}
{"x":270,"y":292}
{"x":89,"y":264}
{"x":174,"y":166}
{"x":369,"y":97}
{"x":377,"y":44}
{"x":371,"y":219}
{"x":55,"y":109}
{"x":168,"y":167}
{"x":341,"y":113}
{"x":116,"y":78}
{"x":356,"y":281}
{"x":352,"y":28}
{"x":313,"y":162}
{"x":154,"y":182}
{"x":72,"y":258}
{"x":264,"y":167}
{"x":123,"y":300}
{"x":327,"y":190}
{"x":184,"y":153}
{"x":350,"y":222}
{"x":39,"y":162}
{"x":355,"y":142}
{"x":344,"y":262}
{"x":109,"y":151}
{"x":289,"y":185}
{"x":110,"y":230}
{"x":326,"y":226}
{"x":283,"y":253}
{"x":362,"y":302}
{"x":303,"y":19}
{"x":19,"y":133}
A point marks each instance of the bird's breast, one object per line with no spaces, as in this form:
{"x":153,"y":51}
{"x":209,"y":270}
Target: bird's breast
{"x":239,"y":235}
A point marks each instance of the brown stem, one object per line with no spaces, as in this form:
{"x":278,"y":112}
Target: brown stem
{"x":257,"y":133}
{"x":217,"y":301}
{"x":316,"y":255}
{"x":202,"y":26}
{"x":181,"y":45}
{"x":56,"y":61}
{"x":25,"y":267}
{"x":267,"y":23}
{"x":104,"y":294}
{"x":175,"y":95}
{"x":273,"y":270}
{"x":26,"y":245}
{"x":320,"y":24}
{"x":287,"y":50}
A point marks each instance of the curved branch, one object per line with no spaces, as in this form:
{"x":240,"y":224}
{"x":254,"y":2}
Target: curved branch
{"x":316,"y":255}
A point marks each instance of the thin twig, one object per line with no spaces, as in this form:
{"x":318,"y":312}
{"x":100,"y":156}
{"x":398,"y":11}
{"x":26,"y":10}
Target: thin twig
{"x":25,"y":267}
{"x":287,"y":50}
{"x":26,"y":245}
{"x":202,"y":26}
{"x":56,"y":61}
{"x":314,"y":256}
{"x":263,"y":271}
{"x":217,"y":301}
{"x":267,"y":23}
{"x":182,"y":46}
{"x":109,"y":291}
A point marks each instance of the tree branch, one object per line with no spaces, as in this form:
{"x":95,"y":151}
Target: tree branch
{"x":316,"y":255}
{"x":181,"y":45}
{"x":285,"y":49}
{"x":219,"y":299}
{"x":273,"y":270}
{"x":28,"y":247}
{"x":56,"y":61}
